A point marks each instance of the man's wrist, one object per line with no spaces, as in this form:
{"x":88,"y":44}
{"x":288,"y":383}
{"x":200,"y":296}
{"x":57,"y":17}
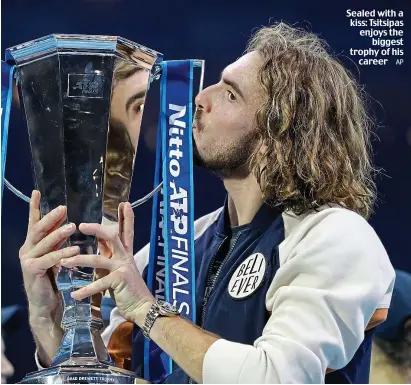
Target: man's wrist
{"x":46,"y":326}
{"x":42,"y":322}
{"x":39,"y":314}
{"x":47,"y":336}
{"x":141,"y":313}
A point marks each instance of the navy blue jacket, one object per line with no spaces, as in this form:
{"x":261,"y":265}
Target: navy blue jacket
{"x":243,"y":320}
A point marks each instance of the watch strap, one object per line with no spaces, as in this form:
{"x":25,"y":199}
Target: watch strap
{"x":157,"y":309}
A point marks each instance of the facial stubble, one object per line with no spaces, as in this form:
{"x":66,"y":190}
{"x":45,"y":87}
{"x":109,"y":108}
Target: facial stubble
{"x":224,"y":157}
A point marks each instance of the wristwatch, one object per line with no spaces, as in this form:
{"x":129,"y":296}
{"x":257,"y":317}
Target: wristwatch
{"x":158,"y":309}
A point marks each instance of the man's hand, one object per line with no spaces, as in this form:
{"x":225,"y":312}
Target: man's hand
{"x":186,"y":343}
{"x":40,"y":252}
{"x":117,"y":269}
{"x":39,"y":258}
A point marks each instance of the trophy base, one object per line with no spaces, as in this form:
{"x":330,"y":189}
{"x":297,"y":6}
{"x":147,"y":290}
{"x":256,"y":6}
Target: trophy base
{"x":82,"y":374}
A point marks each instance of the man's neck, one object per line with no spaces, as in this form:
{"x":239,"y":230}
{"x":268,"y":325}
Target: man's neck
{"x":244,"y":199}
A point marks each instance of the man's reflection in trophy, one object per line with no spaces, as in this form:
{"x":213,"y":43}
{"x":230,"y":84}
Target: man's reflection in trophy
{"x":126,"y":112}
{"x":127,"y":103}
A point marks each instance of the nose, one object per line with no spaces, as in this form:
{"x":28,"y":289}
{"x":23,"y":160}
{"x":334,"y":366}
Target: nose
{"x":203,"y":101}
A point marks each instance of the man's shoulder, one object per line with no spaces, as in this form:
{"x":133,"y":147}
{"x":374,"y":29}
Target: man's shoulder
{"x":336,"y":244}
{"x":204,"y":222}
{"x":331,"y":219}
{"x":331,"y":228}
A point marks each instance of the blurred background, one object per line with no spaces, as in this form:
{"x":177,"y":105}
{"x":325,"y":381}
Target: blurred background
{"x":216,"y":32}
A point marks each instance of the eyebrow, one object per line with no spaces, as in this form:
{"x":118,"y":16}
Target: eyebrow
{"x":232,"y":84}
{"x":133,"y":98}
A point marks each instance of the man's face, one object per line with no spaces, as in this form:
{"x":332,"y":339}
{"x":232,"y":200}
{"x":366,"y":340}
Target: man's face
{"x":224,"y":125}
{"x":126,"y":112}
{"x":127,"y":104}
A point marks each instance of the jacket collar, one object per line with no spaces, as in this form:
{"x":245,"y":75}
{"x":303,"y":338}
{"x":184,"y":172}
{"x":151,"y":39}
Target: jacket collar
{"x":264,"y":217}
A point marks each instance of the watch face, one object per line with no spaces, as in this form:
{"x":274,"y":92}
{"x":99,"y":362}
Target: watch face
{"x":167,"y":307}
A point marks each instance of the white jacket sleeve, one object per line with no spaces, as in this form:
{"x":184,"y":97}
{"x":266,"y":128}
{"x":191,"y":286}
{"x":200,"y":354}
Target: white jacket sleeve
{"x":333,"y":276}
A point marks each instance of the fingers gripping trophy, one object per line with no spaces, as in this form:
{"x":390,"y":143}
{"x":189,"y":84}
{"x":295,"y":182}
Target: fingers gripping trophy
{"x":83,"y":142}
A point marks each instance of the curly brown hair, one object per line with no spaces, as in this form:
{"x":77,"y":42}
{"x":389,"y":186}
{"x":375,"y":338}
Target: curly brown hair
{"x":313,"y":125}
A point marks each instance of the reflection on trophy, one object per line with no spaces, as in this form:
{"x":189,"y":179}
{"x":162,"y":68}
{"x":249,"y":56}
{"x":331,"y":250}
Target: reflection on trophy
{"x":83,"y":99}
{"x":127,"y":103}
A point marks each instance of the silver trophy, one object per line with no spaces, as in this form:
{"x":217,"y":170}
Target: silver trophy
{"x":83,"y":140}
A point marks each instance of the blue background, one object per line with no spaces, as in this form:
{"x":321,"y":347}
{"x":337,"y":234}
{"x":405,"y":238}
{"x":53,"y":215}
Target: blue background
{"x":217,"y":33}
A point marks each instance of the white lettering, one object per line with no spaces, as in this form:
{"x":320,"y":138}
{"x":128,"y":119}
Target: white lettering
{"x":177,"y":290}
{"x":174,"y":168}
{"x":160,"y":278}
{"x":179,"y":241}
{"x":182,"y":261}
{"x":181,"y":308}
{"x":181,"y":111}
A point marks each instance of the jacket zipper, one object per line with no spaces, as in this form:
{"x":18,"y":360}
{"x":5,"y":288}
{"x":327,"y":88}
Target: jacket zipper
{"x":210,"y":285}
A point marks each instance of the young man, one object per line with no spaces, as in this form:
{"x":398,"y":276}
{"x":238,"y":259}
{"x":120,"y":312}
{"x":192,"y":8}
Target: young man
{"x":291,"y":279}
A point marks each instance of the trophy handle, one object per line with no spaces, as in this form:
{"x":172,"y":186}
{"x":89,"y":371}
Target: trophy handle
{"x":200,"y":63}
{"x":138,"y":202}
{"x":147,"y":197}
{"x":16,"y":192}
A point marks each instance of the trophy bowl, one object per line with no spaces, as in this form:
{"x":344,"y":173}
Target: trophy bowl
{"x":78,"y":93}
